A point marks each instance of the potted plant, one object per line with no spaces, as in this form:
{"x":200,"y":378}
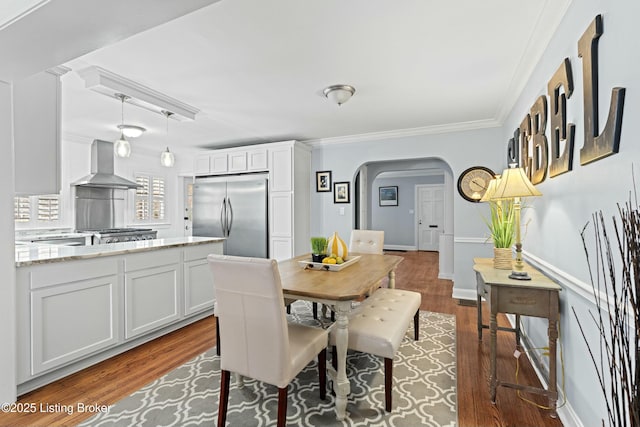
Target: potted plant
{"x":502,"y":228}
{"x":318,"y":248}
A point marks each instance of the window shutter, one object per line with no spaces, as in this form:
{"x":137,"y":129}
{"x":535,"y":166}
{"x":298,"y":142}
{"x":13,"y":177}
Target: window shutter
{"x":158,"y":198}
{"x":48,"y":208}
{"x":21,"y":209}
{"x":142,"y":198}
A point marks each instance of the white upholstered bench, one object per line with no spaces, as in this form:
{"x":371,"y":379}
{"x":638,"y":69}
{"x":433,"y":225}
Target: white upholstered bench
{"x":378,"y":325}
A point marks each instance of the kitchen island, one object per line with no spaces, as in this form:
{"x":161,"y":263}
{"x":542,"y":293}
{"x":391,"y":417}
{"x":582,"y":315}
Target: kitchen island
{"x":78,"y":305}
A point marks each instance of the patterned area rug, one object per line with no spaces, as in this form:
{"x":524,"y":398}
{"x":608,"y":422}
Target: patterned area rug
{"x":424,"y":389}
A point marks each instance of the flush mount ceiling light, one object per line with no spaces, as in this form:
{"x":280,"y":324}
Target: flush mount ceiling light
{"x":131,"y":131}
{"x":108,"y":83}
{"x":121,"y":147}
{"x":339,"y":93}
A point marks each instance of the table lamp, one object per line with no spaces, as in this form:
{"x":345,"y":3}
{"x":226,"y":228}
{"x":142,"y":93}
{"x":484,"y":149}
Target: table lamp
{"x":491,"y":189}
{"x":514,"y":184}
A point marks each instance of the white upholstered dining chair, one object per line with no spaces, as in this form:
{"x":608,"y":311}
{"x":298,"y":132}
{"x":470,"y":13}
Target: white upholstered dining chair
{"x":367,"y":241}
{"x":258,"y":341}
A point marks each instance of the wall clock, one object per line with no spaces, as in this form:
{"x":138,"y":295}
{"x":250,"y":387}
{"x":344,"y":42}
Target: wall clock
{"x":473,"y":182}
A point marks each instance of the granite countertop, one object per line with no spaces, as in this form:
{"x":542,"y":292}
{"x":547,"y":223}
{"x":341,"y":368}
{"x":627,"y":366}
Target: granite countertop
{"x":34,"y":253}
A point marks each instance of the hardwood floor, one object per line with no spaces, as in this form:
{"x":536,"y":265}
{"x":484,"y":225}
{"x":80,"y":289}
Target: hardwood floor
{"x":116,"y":378}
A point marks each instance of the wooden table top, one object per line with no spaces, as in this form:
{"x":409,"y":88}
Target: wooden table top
{"x":350,"y":283}
{"x":494,"y":276}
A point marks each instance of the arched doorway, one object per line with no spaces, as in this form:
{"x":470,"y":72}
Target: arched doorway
{"x":387,"y":197}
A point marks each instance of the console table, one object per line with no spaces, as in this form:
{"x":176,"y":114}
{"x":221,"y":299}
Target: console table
{"x":538,"y":297}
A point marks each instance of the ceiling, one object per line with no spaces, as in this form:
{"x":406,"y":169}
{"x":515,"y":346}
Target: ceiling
{"x":256,"y":70}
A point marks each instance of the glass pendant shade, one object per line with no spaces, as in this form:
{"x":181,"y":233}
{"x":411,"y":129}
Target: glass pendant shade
{"x":167,"y":159}
{"x":121,"y":147}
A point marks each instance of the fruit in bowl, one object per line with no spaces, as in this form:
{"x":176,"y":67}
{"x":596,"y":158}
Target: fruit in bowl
{"x":333,"y":259}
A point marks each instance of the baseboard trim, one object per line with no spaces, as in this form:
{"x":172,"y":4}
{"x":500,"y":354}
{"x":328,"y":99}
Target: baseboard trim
{"x":567,"y":415}
{"x":471,"y":294}
{"x":400,"y":248}
{"x":446,"y":276}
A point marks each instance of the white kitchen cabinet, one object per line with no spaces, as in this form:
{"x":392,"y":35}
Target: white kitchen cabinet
{"x":36,"y":129}
{"x":282,"y":169}
{"x":289,"y":167}
{"x":281,"y":214}
{"x":74,"y":313}
{"x":257,"y":160}
{"x":218,"y":163}
{"x":237,"y":161}
{"x":72,"y":321}
{"x":232,"y":160}
{"x":199,"y":293}
{"x":66,"y":311}
{"x":201,"y":165}
{"x":281,"y":248}
{"x":289,"y":215}
{"x":152,"y":291}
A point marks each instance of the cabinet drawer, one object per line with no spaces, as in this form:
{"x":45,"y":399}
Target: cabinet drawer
{"x":192,"y":253}
{"x":150,"y":259}
{"x":527,"y":302}
{"x":44,"y":275}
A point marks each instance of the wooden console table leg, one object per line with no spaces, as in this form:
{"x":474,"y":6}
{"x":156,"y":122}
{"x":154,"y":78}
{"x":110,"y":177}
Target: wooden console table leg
{"x":517,"y":330}
{"x":479,"y":317}
{"x":553,"y":387}
{"x":493,"y":380}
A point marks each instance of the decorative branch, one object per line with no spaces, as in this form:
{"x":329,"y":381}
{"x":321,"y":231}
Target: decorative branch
{"x":617,"y":319}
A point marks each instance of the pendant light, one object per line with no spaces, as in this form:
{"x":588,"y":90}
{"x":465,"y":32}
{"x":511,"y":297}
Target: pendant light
{"x":122,"y":148}
{"x":167,"y":159}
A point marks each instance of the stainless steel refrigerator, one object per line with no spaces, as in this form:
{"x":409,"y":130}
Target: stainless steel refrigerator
{"x":234,"y":207}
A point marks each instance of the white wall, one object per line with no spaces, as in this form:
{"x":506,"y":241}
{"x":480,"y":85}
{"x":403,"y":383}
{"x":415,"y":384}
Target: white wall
{"x":76,"y":163}
{"x":7,"y":253}
{"x":568,"y":201}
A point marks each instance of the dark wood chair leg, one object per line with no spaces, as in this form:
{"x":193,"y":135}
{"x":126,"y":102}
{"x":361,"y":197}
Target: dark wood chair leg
{"x":333,"y":316}
{"x":314,"y":308}
{"x":322,"y":373}
{"x":388,"y":382}
{"x":289,"y":309}
{"x":224,"y":398}
{"x":282,"y":406}
{"x":416,"y":325}
{"x":217,"y":336}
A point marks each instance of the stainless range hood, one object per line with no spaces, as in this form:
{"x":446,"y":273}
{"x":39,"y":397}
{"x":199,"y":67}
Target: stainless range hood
{"x":102,"y":175}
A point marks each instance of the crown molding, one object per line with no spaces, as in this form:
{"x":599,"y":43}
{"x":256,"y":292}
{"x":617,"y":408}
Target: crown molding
{"x":401,"y":133}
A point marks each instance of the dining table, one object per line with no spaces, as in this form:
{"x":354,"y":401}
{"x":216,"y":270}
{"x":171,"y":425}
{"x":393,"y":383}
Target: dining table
{"x":338,"y":289}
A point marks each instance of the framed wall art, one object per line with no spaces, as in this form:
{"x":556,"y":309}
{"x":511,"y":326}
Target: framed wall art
{"x":388,"y":196}
{"x":323,"y":181}
{"x":341,"y":191}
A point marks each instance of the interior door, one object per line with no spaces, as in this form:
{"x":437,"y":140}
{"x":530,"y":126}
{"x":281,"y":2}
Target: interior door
{"x":430,"y":203}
